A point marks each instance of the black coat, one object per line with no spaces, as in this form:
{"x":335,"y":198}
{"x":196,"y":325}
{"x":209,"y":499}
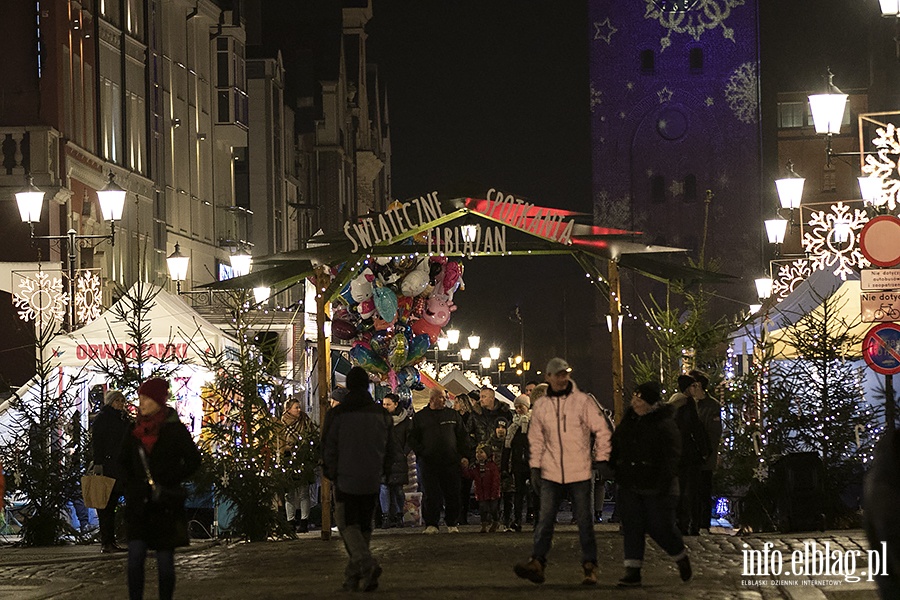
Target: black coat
{"x":482,"y":425}
{"x":175,"y":457}
{"x":358,"y":448}
{"x":646,"y":450}
{"x":437,"y":436}
{"x":400,"y":432}
{"x":107,"y":438}
{"x":694,"y":441}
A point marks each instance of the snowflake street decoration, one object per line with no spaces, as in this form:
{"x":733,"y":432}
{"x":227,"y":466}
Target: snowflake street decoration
{"x":41,"y":299}
{"x":823,"y":247}
{"x":884,"y":167}
{"x":704,"y":16}
{"x":789,"y":277}
{"x":761,"y":472}
{"x":664,"y":95}
{"x":741,"y":93}
{"x":87,"y":297}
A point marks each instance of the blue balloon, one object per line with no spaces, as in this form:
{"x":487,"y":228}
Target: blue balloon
{"x":386,"y":303}
{"x":417,"y":348}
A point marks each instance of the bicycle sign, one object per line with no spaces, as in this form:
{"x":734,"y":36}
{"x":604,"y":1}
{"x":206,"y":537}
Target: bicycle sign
{"x":881,"y":348}
{"x":878,"y":307}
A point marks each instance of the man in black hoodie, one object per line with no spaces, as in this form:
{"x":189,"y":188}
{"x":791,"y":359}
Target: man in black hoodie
{"x":440,"y":443}
{"x":358,"y":452}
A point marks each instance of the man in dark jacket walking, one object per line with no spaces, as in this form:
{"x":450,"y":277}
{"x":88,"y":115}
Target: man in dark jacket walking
{"x":440,"y":443}
{"x":392,"y":497}
{"x":694,"y":451}
{"x":107,"y":438}
{"x":710,"y":412}
{"x":483,"y":424}
{"x":358,"y":452}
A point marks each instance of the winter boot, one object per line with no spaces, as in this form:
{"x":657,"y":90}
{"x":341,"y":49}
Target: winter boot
{"x":385,"y":521}
{"x":303,"y":526}
{"x":632,"y":577}
{"x":590,"y":574}
{"x":533,"y":570}
{"x":684,"y":568}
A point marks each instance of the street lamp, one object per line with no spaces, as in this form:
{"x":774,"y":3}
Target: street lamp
{"x":828,"y":113}
{"x":485,"y":364}
{"x":763,"y":287}
{"x":241,"y":262}
{"x":453,"y":335}
{"x":494,"y":352}
{"x":465,"y":354}
{"x":30,"y":201}
{"x":178,"y":267}
{"x":474,"y":341}
{"x":890,"y":8}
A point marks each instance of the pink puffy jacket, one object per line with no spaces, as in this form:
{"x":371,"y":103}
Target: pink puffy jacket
{"x":560,"y":436}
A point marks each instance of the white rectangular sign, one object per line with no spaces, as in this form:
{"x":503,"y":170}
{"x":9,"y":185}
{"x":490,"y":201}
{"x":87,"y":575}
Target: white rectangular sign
{"x":879,"y":279}
{"x":879,"y":307}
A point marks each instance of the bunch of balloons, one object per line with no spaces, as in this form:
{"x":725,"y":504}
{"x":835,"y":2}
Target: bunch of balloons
{"x":393,"y":311}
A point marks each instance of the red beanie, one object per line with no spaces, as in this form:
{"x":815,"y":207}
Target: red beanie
{"x":156,"y":389}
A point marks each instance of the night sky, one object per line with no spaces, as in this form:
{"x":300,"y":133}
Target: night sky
{"x":495,"y":94}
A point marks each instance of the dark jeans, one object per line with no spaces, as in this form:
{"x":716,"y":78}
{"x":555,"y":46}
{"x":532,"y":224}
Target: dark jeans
{"x":489,"y":511}
{"x":353,"y":515}
{"x":688,"y":482}
{"x":648,"y":514}
{"x":551,"y":495}
{"x":440,"y":489}
{"x":165,"y":564}
{"x":520,"y":480}
{"x":107,"y":518}
{"x":465,"y":493}
{"x":703,"y":504}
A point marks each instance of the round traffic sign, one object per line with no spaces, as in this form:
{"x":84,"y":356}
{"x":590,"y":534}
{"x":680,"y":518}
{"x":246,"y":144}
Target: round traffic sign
{"x":881,"y":348}
{"x":879,"y":241}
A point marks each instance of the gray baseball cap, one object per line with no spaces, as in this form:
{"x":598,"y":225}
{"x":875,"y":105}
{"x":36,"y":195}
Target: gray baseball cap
{"x":557,"y":365}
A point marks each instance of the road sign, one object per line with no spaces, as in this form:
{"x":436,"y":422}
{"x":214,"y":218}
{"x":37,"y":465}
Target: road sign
{"x":879,"y":241}
{"x":879,"y":279}
{"x":881,"y":348}
{"x":879,"y":306}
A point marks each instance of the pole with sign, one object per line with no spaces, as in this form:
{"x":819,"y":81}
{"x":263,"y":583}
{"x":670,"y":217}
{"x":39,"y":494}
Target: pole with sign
{"x":881,"y":351}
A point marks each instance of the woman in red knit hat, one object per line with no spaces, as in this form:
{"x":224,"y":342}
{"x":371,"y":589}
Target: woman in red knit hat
{"x":158,"y":455}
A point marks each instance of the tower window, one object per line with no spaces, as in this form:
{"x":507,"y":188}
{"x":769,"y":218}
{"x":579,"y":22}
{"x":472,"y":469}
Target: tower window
{"x":657,"y":189}
{"x":648,"y":61}
{"x":695,"y":60}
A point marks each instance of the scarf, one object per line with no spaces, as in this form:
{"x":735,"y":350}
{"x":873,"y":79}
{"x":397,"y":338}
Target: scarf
{"x":518,"y":422}
{"x":146,"y":429}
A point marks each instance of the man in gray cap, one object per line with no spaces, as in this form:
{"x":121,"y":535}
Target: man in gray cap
{"x":559,"y":437}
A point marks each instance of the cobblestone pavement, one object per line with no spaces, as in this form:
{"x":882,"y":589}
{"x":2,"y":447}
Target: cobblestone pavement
{"x":465,"y":566}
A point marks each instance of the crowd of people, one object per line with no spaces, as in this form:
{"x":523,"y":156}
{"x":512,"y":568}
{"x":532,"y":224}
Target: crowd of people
{"x":558,"y":442}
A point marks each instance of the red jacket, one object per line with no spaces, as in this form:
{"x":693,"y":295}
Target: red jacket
{"x":487,"y":480}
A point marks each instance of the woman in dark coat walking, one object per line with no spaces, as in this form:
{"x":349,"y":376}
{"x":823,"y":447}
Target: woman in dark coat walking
{"x":646,"y":447}
{"x":154,"y":502}
{"x":108,"y":432}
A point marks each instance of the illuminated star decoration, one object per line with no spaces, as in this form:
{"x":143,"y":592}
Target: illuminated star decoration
{"x":709,"y":101}
{"x":825,"y":251}
{"x":677,"y":188}
{"x":884,"y":167}
{"x":741,"y":93}
{"x":665,"y":95}
{"x":789,"y":277}
{"x":87,"y":297}
{"x":705,"y":16}
{"x":41,"y":299}
{"x":761,"y":472}
{"x":603,"y":30}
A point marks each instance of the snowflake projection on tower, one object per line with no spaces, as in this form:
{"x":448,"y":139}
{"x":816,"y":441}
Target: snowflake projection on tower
{"x":789,"y":277}
{"x":741,"y":93}
{"x":884,"y":167}
{"x":41,"y":299}
{"x":702,"y":16}
{"x":823,"y":245}
{"x":87,"y":297}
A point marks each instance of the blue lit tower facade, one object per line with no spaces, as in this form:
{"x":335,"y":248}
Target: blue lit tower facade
{"x":675,"y":112}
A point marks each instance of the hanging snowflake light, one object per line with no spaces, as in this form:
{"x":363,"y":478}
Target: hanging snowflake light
{"x":824,"y":245}
{"x":884,"y":167}
{"x":41,"y":299}
{"x":761,"y":472}
{"x":789,"y":277}
{"x":87,"y":297}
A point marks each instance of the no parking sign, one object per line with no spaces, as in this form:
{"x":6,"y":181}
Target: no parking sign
{"x":881,"y":348}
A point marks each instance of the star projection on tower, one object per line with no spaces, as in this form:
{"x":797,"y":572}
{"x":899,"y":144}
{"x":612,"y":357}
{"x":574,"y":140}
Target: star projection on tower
{"x":705,"y":15}
{"x":742,"y":93}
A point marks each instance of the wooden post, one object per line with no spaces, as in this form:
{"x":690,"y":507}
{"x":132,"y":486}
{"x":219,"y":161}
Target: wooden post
{"x":615,"y":309}
{"x":889,"y":413}
{"x":323,"y":370}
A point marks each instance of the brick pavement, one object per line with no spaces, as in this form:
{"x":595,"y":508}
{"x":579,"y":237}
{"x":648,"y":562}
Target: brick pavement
{"x":465,"y":566}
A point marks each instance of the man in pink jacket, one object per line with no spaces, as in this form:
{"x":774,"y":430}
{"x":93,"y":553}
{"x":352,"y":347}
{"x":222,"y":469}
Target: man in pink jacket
{"x":562,"y":424}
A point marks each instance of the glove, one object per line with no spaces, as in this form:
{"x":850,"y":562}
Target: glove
{"x":604,"y":471}
{"x":98,"y":469}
